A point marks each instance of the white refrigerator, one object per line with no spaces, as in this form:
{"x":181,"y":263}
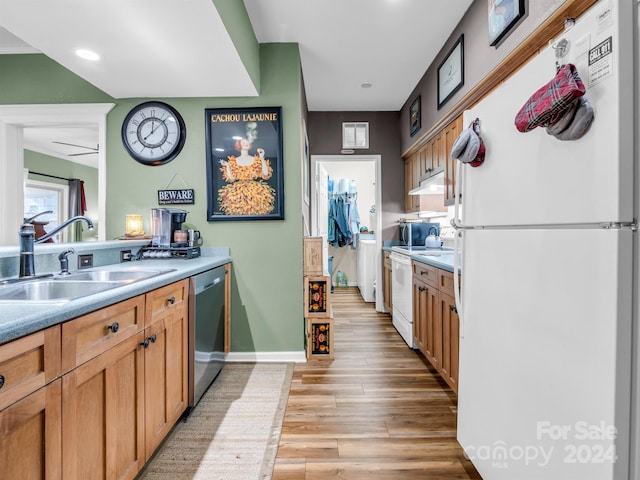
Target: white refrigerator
{"x":546,"y":230}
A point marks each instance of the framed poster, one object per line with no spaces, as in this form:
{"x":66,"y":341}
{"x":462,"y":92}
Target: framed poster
{"x":451,"y":73}
{"x":503,"y":15}
{"x":414,"y":116}
{"x":244,"y":163}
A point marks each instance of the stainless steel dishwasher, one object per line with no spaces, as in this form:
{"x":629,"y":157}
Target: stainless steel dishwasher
{"x":206,"y":330}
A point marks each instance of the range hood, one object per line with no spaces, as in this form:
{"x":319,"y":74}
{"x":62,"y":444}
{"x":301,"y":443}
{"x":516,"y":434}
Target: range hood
{"x":431,"y":186}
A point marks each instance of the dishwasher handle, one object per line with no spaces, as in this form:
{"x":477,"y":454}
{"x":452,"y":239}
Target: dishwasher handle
{"x":208,"y":279}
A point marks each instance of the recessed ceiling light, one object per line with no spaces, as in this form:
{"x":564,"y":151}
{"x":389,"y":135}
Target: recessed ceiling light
{"x":366,"y":85}
{"x":87,"y":55}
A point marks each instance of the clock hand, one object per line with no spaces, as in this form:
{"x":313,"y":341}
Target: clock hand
{"x":153,"y":129}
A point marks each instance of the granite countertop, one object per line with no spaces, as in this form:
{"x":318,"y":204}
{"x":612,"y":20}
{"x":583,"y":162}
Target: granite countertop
{"x":18,"y":319}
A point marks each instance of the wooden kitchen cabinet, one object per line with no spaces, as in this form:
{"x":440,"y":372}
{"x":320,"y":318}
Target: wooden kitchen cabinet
{"x":103,"y":413}
{"x":30,"y":407}
{"x":435,"y":320}
{"x":426,"y":314}
{"x":166,"y":366}
{"x":119,"y":403}
{"x":30,"y":431}
{"x":451,"y":134}
{"x":411,"y":180}
{"x":430,"y":159}
{"x":439,"y":156}
{"x":90,"y":335}
{"x":450,"y":339}
{"x":27,"y":364}
{"x":87,"y":399}
{"x":387,"y":278}
{"x":450,"y":329}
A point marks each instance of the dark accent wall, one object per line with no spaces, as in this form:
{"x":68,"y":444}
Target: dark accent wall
{"x":325,"y":138}
{"x":479,"y":60}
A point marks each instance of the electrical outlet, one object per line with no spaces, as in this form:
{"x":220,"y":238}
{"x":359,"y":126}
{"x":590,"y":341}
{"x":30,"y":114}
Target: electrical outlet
{"x":85,"y":261}
{"x":125,"y":256}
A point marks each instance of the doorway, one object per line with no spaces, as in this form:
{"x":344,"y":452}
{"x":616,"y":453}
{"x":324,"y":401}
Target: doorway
{"x":370,"y":213}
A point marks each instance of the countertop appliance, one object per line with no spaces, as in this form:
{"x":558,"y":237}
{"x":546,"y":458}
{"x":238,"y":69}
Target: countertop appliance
{"x":548,"y":245}
{"x":164,"y":223}
{"x":415,"y":233}
{"x":206,"y":330}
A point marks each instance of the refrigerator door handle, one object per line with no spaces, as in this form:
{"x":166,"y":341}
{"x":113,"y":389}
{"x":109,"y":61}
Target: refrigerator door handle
{"x":456,"y":280}
{"x":457,"y":225}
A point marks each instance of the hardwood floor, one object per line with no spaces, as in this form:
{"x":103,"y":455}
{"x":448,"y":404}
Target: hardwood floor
{"x":377,"y":411}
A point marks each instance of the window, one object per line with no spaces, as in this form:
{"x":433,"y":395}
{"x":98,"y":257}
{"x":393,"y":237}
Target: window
{"x":43,"y":196}
{"x":355,"y":135}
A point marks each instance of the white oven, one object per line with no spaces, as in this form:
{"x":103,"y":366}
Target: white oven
{"x":402,"y":295}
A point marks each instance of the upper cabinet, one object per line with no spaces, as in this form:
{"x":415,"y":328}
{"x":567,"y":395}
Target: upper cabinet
{"x":430,"y":159}
{"x":451,"y":133}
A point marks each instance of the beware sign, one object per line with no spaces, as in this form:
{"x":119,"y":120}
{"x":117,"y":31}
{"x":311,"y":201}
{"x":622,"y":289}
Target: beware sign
{"x":176,"y":197}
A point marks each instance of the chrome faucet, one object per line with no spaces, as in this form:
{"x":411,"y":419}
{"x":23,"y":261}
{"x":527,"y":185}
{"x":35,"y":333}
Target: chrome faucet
{"x":27,"y":241}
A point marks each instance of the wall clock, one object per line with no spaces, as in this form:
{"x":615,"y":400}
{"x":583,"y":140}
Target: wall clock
{"x":153,"y":133}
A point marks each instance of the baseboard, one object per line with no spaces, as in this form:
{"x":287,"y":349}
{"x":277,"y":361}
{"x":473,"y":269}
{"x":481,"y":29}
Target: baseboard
{"x":285,"y":357}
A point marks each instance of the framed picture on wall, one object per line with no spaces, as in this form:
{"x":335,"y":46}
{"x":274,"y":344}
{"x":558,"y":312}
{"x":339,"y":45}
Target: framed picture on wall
{"x":414,"y":116}
{"x":503,"y":15}
{"x":244,"y":163}
{"x":451,"y":72}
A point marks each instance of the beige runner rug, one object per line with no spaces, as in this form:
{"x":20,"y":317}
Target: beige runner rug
{"x":233,"y":432}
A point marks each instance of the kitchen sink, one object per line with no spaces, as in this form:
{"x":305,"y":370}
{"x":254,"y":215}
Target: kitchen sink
{"x":64,"y":288}
{"x":52,"y":290}
{"x":122,"y":276}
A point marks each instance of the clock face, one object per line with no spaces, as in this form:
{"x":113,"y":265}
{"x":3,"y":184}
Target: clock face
{"x":153,"y":133}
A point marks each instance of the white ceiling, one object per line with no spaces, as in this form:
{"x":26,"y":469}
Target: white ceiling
{"x":169,"y":48}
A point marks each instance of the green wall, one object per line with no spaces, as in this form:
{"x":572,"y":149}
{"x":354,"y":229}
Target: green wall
{"x":37,"y":162}
{"x":267,"y":297}
{"x":267,"y":301}
{"x":236,"y":20}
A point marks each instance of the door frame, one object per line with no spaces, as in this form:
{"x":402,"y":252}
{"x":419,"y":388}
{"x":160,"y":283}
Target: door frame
{"x":377,"y":161}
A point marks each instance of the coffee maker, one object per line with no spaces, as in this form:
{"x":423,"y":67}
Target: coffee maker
{"x":164,"y":223}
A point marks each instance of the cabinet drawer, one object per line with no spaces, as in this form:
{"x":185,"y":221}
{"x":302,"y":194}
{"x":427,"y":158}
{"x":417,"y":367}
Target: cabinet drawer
{"x":425,"y":273}
{"x":88,"y":336}
{"x":387,"y":259}
{"x":445,"y":282}
{"x":166,"y":300}
{"x":28,"y":363}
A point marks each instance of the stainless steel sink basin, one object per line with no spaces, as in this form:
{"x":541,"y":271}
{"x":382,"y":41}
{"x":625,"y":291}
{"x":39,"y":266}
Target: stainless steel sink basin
{"x":123,"y":276}
{"x":52,"y":290}
{"x":64,"y":288}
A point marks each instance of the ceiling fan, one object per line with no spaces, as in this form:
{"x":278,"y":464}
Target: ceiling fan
{"x":93,"y":150}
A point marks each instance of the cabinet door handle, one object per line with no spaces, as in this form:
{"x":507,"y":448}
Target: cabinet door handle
{"x":423,"y":272}
{"x":171,"y":300}
{"x":422,"y":289}
{"x":113,"y":327}
{"x":148,"y":340}
{"x":1,"y":381}
{"x":453,"y":308}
